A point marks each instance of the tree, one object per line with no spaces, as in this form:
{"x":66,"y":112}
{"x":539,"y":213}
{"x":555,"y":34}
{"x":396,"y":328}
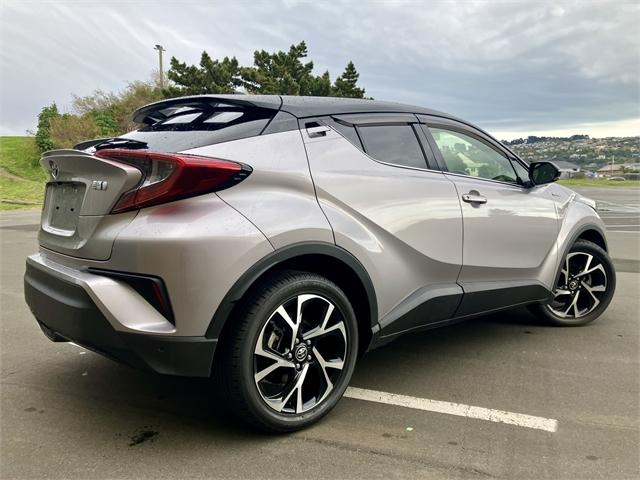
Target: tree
{"x":277,"y":73}
{"x":43,"y":133}
{"x":346,"y":84}
{"x":105,"y":122}
{"x":281,"y":73}
{"x":321,"y":86}
{"x":212,"y":76}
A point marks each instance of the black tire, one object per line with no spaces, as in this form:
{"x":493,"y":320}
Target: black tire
{"x":238,"y":362}
{"x":546,"y":312}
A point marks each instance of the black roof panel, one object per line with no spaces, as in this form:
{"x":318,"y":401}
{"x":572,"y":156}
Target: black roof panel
{"x":316,"y":106}
{"x":298,"y":106}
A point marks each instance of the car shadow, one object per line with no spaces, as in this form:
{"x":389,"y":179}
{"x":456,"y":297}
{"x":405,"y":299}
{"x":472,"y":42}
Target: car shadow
{"x":160,"y":403}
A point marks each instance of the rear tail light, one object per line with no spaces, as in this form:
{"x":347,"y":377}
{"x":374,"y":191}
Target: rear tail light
{"x":172,"y":176}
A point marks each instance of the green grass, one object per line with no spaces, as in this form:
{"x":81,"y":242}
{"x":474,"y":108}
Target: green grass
{"x":22,"y":178}
{"x":600,"y":182}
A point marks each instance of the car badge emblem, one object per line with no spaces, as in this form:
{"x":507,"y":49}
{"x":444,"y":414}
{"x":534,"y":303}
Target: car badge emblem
{"x":99,"y":185}
{"x":54,"y":169}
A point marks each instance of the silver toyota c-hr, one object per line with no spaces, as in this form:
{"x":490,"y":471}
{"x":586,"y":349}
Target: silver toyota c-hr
{"x":270,"y":241}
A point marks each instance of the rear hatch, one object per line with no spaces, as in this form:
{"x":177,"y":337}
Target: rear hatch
{"x":78,"y":199}
{"x":78,"y":218}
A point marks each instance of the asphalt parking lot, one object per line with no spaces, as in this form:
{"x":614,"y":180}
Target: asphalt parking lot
{"x":69,"y":413}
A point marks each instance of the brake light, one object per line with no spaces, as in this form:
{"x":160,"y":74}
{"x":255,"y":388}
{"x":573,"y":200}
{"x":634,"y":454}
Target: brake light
{"x":173,"y":176}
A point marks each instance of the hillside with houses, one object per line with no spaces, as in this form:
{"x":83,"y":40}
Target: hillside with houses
{"x":579,"y":155}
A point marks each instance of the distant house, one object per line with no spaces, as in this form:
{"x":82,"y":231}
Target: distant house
{"x":634,"y":167}
{"x":567,"y":169}
{"x":611,"y":171}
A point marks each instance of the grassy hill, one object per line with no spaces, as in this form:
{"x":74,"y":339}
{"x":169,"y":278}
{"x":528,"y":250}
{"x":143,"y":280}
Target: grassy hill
{"x":21,"y":177}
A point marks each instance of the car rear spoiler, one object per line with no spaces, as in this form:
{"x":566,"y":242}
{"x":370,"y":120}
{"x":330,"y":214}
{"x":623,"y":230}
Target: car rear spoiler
{"x":158,"y":111}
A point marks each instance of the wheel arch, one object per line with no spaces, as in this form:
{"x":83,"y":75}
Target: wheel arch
{"x":326,"y":259}
{"x":590,"y":232}
{"x":593,"y":235}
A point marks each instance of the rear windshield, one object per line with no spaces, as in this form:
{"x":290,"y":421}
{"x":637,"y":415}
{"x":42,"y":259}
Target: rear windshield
{"x":188,"y":128}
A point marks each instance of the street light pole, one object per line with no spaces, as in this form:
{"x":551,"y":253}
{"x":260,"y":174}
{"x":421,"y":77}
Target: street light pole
{"x":160,"y":49}
{"x":613,"y":162}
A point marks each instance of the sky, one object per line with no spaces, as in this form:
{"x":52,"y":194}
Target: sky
{"x":514,"y":68}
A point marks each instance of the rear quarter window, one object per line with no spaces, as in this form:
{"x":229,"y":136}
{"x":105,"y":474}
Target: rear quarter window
{"x":396,"y":144}
{"x":348,"y":132}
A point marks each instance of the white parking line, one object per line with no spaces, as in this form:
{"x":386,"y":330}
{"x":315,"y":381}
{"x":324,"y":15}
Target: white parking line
{"x":461,"y":410}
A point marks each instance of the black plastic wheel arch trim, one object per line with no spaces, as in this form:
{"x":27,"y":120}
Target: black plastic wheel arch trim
{"x":279,"y":256}
{"x":572,"y":240}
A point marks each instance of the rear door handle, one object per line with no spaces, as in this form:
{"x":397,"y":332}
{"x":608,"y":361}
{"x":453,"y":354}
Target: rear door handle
{"x":474,"y":197}
{"x":317,"y":131}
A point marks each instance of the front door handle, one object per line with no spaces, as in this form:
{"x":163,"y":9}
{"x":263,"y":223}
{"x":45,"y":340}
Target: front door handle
{"x":474,"y":197}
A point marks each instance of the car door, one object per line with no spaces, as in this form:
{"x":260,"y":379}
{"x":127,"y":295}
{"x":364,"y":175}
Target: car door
{"x":392,"y":208}
{"x":510,"y":228}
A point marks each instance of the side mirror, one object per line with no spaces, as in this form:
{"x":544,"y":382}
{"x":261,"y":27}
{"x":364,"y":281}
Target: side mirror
{"x":543,"y":172}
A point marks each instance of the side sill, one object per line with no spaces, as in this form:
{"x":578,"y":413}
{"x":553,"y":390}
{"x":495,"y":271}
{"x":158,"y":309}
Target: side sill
{"x":423,"y":310}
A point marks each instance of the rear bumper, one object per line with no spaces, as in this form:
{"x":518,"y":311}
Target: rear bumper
{"x":66,"y":312}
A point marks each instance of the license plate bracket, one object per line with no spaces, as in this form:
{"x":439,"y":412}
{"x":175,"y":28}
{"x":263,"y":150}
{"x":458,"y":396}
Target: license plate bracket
{"x":63,"y":202}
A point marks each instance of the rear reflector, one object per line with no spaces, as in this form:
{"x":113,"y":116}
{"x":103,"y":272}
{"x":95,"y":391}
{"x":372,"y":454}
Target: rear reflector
{"x":173,"y":176}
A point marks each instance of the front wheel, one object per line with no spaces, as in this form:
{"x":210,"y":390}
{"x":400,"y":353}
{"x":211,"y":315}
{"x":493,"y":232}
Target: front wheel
{"x":291,"y":353}
{"x":584,"y":289}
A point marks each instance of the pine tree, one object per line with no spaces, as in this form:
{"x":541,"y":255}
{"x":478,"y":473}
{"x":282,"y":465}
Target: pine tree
{"x":277,"y":73}
{"x":346,"y":84}
{"x":211,"y":76}
{"x":321,"y":86}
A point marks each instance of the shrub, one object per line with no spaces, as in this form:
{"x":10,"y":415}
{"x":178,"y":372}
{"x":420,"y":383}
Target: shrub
{"x":43,"y":134}
{"x":68,"y":129}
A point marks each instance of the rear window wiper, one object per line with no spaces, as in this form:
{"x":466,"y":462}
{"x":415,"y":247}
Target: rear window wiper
{"x":121,"y":142}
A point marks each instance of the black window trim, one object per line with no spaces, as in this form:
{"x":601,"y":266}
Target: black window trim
{"x":374,"y":119}
{"x":357,"y":120}
{"x":329,"y":120}
{"x":449,"y":124}
{"x":446,"y":121}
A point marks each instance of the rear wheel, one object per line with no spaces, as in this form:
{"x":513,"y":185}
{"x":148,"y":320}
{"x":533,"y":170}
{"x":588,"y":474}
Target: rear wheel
{"x":584,"y":288}
{"x":291,"y":353}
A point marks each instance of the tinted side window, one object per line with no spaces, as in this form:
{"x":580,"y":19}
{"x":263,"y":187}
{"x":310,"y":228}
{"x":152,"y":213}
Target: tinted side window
{"x":395,"y":144}
{"x":466,"y":155}
{"x":348,"y":132}
{"x":523,"y":173}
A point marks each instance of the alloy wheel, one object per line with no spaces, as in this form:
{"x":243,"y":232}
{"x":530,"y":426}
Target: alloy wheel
{"x":300,"y":354}
{"x":581,"y":287}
